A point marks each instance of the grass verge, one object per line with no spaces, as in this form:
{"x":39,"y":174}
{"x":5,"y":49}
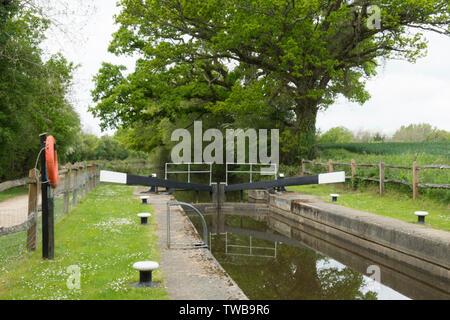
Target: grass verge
{"x":393,"y":204}
{"x":103,"y":237}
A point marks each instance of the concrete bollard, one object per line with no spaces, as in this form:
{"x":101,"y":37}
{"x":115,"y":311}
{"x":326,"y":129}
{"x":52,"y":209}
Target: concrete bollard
{"x":282,"y":188}
{"x":144,"y":199}
{"x":421,"y":216}
{"x":334,"y":197}
{"x":153,"y":189}
{"x":144,"y":217}
{"x":145,"y":269}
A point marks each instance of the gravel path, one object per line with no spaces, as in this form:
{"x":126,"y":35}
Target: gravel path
{"x":13,"y":211}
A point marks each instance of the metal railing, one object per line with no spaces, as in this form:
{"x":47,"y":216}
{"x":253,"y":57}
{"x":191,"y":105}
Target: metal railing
{"x":172,"y":245}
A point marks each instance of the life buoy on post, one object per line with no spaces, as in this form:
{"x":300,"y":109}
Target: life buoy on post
{"x":51,"y":158}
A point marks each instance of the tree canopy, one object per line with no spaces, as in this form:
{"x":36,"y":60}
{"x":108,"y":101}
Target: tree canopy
{"x":419,"y":133}
{"x":336,"y":135}
{"x":264,"y":63}
{"x":32,"y":91}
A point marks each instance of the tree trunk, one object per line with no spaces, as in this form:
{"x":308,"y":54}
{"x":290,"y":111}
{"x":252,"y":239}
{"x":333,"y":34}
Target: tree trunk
{"x":305,"y":129}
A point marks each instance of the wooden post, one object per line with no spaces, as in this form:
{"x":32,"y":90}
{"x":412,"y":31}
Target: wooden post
{"x":81,"y":180}
{"x":303,"y":168}
{"x":75,"y":186}
{"x":91,"y":177}
{"x":94,"y":177}
{"x":353,"y":168}
{"x":330,"y":165}
{"x":67,"y":189}
{"x":415,"y":180}
{"x":86,"y":179}
{"x":48,"y":245}
{"x":381,"y":174}
{"x":33,"y":207}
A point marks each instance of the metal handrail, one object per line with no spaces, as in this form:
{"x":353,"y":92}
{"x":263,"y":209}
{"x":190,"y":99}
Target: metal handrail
{"x":184,"y":245}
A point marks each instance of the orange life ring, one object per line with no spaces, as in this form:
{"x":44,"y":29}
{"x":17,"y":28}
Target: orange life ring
{"x":51,"y":158}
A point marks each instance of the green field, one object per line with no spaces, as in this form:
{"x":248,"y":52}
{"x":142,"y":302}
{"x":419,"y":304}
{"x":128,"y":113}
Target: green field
{"x":103,"y":237}
{"x":392,"y":148}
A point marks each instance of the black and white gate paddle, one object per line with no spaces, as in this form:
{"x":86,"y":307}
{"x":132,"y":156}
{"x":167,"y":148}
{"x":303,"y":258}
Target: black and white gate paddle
{"x":129,"y":179}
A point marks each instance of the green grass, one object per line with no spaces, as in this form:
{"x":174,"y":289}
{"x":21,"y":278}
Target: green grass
{"x":13,"y":192}
{"x":392,"y":204}
{"x":103,"y":237}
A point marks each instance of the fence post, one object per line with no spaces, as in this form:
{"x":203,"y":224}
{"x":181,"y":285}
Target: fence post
{"x":94,"y":182}
{"x":94,"y":176}
{"x":353,"y":168}
{"x":33,"y":208}
{"x":67,"y":189}
{"x":75,"y":185}
{"x":91,"y":178}
{"x":330,"y":165}
{"x":303,"y":167}
{"x":86,"y":179}
{"x":415,"y":180}
{"x":83,"y":180}
{"x":381,"y":177}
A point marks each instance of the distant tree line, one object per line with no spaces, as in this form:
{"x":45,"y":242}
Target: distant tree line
{"x":422,"y":132}
{"x":33,"y":96}
{"x":90,"y":147}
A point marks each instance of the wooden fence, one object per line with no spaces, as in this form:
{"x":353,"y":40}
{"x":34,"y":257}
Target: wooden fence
{"x":75,"y":182}
{"x":415,"y":183}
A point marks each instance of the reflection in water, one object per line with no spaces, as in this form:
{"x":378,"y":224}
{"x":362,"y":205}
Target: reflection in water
{"x":267,"y":265}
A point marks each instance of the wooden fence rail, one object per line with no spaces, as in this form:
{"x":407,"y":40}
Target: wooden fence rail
{"x":75,"y":179}
{"x":381,"y":173}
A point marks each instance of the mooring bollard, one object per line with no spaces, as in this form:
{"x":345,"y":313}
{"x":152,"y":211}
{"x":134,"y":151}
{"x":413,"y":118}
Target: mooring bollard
{"x":334,"y":197}
{"x":153,"y":189}
{"x":421,"y":216}
{"x":144,"y":199}
{"x":281,"y":189}
{"x":144,"y":217}
{"x":145,"y":269}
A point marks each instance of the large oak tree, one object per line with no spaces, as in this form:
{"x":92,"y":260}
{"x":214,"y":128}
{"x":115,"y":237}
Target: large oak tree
{"x":281,"y":60}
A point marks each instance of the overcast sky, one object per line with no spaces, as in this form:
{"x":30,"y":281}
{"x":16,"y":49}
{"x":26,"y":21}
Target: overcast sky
{"x":402,"y":93}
